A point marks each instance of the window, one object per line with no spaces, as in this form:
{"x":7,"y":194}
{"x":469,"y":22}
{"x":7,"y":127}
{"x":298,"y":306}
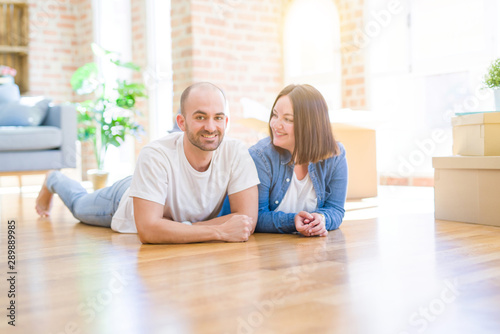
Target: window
{"x":312,"y":47}
{"x":159,"y":71}
{"x":113,"y":31}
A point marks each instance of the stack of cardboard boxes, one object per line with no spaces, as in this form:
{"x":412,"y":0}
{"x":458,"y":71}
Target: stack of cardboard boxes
{"x":467,"y":184}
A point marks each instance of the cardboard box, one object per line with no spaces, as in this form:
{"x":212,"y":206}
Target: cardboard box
{"x":361,"y":152}
{"x":467,"y":189}
{"x":476,"y":134}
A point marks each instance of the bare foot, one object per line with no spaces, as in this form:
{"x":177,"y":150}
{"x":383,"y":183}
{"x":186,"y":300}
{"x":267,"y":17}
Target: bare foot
{"x":44,"y":200}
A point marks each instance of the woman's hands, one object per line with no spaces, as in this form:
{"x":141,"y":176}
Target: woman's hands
{"x":310,"y":224}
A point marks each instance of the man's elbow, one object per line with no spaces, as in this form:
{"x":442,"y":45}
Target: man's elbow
{"x":143,"y":232}
{"x":143,"y":238}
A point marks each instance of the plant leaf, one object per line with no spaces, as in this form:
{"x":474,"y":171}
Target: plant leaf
{"x":492,"y":78}
{"x":99,"y":51}
{"x":128,"y":64}
{"x":85,"y":79}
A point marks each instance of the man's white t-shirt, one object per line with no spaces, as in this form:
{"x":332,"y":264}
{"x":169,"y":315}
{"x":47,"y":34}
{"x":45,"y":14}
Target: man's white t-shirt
{"x":164,"y":175}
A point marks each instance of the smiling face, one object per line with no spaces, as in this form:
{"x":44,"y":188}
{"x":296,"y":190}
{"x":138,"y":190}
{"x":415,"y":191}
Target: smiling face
{"x":204,"y":120}
{"x":312,"y":139}
{"x":281,"y":124}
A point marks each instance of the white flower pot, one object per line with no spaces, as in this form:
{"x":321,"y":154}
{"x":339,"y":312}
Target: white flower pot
{"x":98,"y":178}
{"x":496,"y":93}
{"x":6,"y":80}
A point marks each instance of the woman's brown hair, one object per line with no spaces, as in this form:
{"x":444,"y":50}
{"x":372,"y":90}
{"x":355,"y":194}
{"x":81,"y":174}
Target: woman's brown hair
{"x":314,"y":139}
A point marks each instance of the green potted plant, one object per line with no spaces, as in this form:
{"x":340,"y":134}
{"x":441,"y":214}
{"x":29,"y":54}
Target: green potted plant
{"x":492,"y":80}
{"x":108,"y":116}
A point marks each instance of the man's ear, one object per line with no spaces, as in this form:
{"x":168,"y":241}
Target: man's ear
{"x":181,"y":122}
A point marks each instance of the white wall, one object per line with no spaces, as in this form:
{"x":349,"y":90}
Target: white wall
{"x":427,"y":63}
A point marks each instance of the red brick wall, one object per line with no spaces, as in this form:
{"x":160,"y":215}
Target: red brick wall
{"x":238,"y":46}
{"x":233,"y":44}
{"x":182,"y":48}
{"x":353,"y":54}
{"x":60,"y":37}
{"x":85,"y":31}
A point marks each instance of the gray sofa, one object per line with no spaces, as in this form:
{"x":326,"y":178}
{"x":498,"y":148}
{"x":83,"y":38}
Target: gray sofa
{"x":51,"y":145}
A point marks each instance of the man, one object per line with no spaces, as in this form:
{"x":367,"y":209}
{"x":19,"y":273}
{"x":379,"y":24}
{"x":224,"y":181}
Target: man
{"x":179,"y":183}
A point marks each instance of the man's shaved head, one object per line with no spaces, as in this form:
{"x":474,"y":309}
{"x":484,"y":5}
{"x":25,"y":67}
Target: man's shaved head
{"x":205,"y":86}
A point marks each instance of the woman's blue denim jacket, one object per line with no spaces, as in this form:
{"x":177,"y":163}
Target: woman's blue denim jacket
{"x":329,"y":178}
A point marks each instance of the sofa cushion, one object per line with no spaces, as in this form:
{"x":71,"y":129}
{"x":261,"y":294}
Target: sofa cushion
{"x":28,"y":111}
{"x":29,"y":138}
{"x":31,"y":160}
{"x":9,"y":93}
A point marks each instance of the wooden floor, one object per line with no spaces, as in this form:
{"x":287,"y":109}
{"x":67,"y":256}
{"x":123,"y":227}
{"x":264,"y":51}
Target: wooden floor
{"x":391,"y":268}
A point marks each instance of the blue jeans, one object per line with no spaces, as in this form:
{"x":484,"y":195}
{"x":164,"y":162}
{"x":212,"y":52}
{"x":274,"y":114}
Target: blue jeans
{"x":96,"y":208}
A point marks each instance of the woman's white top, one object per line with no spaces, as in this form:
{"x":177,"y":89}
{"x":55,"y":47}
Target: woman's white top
{"x":300,"y":196}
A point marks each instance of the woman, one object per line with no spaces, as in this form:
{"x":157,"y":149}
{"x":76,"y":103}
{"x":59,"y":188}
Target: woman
{"x":302,"y":169}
